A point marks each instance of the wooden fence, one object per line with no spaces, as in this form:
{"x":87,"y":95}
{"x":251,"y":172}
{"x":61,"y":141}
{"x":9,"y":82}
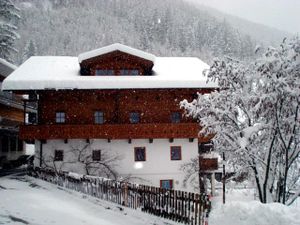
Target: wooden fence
{"x":179,"y":206}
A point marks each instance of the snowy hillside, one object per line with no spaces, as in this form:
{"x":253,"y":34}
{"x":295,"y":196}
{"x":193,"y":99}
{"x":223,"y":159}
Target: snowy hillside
{"x":25,"y":200}
{"x":164,"y":28}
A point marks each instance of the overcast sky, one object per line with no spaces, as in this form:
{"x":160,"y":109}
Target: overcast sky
{"x":281,"y":14}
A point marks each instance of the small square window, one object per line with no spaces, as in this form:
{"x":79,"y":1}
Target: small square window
{"x":96,"y":155}
{"x":60,"y":117}
{"x":175,"y":153}
{"x":140,"y":154}
{"x":99,"y":117}
{"x":59,"y":155}
{"x":134,"y":117}
{"x":166,"y":184}
{"x":175,"y":117}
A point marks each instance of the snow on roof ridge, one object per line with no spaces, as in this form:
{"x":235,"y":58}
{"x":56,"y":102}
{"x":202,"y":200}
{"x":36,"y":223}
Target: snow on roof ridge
{"x":8,"y":64}
{"x":115,"y":47}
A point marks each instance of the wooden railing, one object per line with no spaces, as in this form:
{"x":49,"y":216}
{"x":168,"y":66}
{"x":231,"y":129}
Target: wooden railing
{"x":179,"y":206}
{"x":109,"y":131}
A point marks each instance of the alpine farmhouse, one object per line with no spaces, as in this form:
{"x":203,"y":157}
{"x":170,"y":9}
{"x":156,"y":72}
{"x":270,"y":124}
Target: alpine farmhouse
{"x":112,"y":112}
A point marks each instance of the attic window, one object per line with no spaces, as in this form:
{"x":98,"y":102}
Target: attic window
{"x":133,"y":72}
{"x":104,"y":72}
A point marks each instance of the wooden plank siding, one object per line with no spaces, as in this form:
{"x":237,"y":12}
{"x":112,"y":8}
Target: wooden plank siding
{"x":11,"y":113}
{"x":154,"y":105}
{"x":109,"y":131}
{"x":116,"y":60}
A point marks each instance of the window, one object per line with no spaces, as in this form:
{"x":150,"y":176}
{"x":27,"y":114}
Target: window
{"x":175,"y":152}
{"x":134,"y":72}
{"x":20,"y":145}
{"x":96,"y":155}
{"x":59,"y":155}
{"x":60,"y":117}
{"x":126,"y":72}
{"x":99,"y":117}
{"x":140,"y":154}
{"x":101,"y":72}
{"x":134,"y":117}
{"x":166,"y":184}
{"x":175,"y":117}
{"x":13,"y":144}
{"x":5,"y":144}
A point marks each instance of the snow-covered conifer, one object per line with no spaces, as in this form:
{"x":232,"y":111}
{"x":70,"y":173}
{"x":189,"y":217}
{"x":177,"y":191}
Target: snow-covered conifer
{"x":8,"y":20}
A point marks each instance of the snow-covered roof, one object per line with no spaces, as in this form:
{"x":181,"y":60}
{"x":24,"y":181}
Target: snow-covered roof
{"x":62,"y":72}
{"x":116,"y":47}
{"x":6,"y":68}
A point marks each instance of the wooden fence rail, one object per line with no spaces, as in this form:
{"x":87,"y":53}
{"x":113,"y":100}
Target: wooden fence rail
{"x":179,"y":206}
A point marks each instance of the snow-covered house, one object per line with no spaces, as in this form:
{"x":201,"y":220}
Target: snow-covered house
{"x":115,"y":108}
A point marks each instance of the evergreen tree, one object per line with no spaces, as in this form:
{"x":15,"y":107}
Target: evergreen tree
{"x":30,"y":50}
{"x":8,"y":25}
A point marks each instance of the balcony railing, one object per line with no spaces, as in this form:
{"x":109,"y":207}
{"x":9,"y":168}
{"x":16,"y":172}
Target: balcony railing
{"x":109,"y":131}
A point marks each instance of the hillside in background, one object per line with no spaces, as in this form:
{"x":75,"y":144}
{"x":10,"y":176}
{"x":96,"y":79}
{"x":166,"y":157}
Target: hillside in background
{"x":164,"y":28}
{"x":263,"y":34}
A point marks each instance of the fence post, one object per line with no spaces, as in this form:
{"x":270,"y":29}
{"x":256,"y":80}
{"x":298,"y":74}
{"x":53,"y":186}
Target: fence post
{"x":126,"y":194}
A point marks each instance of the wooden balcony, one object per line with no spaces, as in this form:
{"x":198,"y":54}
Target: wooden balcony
{"x":109,"y":131}
{"x":208,"y":164}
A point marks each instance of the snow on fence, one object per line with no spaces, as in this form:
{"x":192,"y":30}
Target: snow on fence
{"x":179,"y":206}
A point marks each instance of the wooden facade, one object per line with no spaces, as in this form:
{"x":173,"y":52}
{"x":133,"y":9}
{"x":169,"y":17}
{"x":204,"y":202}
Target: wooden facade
{"x":154,"y":106}
{"x":117,"y":61}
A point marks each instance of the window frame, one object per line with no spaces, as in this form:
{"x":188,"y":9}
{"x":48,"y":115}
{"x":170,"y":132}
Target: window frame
{"x":134,"y":113}
{"x":98,"y":117}
{"x":105,"y":72}
{"x":180,"y":153}
{"x":58,"y":155}
{"x":129,"y":72}
{"x":96,"y":159}
{"x":60,"y":119}
{"x":171,"y":182}
{"x":174,"y":119}
{"x":135,"y":154}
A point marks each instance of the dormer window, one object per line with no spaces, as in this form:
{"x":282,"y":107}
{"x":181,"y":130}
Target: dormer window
{"x":100,"y":72}
{"x":116,"y":59}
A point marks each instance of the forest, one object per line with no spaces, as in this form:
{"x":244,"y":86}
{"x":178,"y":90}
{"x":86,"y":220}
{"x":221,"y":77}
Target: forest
{"x":164,"y":28}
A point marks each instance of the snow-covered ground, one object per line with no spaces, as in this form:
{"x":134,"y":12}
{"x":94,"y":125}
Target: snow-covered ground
{"x":25,"y":200}
{"x":242,"y":209}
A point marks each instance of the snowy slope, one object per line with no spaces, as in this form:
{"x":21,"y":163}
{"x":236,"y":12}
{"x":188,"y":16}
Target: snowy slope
{"x":25,"y":200}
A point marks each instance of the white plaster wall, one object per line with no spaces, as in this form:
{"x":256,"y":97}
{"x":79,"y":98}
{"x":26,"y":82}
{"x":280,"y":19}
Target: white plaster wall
{"x":158,"y":165}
